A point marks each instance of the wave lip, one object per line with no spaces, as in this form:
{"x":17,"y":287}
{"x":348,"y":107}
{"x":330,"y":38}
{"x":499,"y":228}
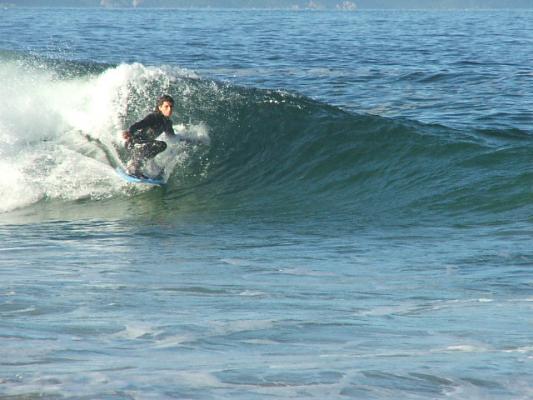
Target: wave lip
{"x":50,"y":108}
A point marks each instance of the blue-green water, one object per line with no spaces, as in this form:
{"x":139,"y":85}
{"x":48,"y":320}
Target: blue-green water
{"x":353,"y":218}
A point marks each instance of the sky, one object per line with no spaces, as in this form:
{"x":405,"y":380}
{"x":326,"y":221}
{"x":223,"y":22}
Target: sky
{"x":298,"y":4}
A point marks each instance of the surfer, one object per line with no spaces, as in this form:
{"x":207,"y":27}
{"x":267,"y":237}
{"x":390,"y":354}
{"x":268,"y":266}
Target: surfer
{"x":141,"y":136}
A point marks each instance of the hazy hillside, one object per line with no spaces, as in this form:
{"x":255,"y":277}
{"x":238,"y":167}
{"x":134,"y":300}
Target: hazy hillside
{"x":294,"y":4}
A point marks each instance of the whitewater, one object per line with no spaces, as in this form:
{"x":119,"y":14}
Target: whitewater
{"x":350,"y":216}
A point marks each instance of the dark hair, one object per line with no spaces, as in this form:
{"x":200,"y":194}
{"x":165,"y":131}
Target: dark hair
{"x":162,"y":99}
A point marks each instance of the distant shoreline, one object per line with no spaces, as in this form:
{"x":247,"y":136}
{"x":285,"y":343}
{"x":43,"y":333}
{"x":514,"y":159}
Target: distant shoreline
{"x":205,"y":8}
{"x":285,"y":5}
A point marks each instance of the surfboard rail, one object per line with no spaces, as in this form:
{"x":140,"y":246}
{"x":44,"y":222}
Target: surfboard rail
{"x":135,"y":179}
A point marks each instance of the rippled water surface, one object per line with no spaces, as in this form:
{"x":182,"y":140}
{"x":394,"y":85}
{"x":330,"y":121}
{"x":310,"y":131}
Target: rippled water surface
{"x":351,"y":218}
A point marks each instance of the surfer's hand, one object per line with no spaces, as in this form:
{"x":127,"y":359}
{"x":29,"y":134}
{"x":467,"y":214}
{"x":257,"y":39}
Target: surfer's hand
{"x":126,"y":135}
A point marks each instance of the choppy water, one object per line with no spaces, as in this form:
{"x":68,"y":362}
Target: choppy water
{"x":353,"y":218}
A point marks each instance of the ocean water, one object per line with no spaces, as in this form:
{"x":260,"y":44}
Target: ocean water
{"x":353,"y":218}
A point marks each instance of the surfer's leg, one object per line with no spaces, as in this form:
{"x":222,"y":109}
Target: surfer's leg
{"x":144,"y":151}
{"x":153,"y":148}
{"x":134,"y":165}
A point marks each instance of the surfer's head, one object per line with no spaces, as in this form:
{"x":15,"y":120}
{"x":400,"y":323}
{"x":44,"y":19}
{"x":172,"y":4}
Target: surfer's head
{"x":165,"y":105}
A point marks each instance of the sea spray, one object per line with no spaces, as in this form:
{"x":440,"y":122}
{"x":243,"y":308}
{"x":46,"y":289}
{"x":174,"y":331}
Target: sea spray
{"x":60,"y":132}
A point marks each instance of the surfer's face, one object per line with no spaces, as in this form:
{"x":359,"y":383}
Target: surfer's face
{"x":166,"y":108}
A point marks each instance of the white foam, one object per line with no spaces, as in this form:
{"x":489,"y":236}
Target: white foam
{"x":28,"y":106}
{"x":197,"y":379}
{"x":136,"y":331}
{"x":194,"y":133}
{"x":252,"y":293}
{"x":44,"y":120}
{"x":13,"y":188}
{"x":525,"y":349}
{"x":485,"y":300}
{"x":466,"y":348}
{"x":173,"y":341}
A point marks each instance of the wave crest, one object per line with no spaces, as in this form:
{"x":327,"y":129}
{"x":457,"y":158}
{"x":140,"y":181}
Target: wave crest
{"x":255,"y":149}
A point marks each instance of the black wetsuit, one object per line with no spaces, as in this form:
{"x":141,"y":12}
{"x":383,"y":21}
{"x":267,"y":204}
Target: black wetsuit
{"x":143,"y":143}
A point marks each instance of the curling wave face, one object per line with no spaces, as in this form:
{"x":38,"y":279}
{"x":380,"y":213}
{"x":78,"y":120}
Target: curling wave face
{"x":253,"y":150}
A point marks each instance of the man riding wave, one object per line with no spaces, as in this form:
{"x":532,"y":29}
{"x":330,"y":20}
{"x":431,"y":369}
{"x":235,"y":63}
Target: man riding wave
{"x":141,"y":136}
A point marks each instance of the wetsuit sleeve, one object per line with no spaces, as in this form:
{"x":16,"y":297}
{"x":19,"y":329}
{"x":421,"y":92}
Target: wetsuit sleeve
{"x":169,"y":129}
{"x":145,"y":123}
